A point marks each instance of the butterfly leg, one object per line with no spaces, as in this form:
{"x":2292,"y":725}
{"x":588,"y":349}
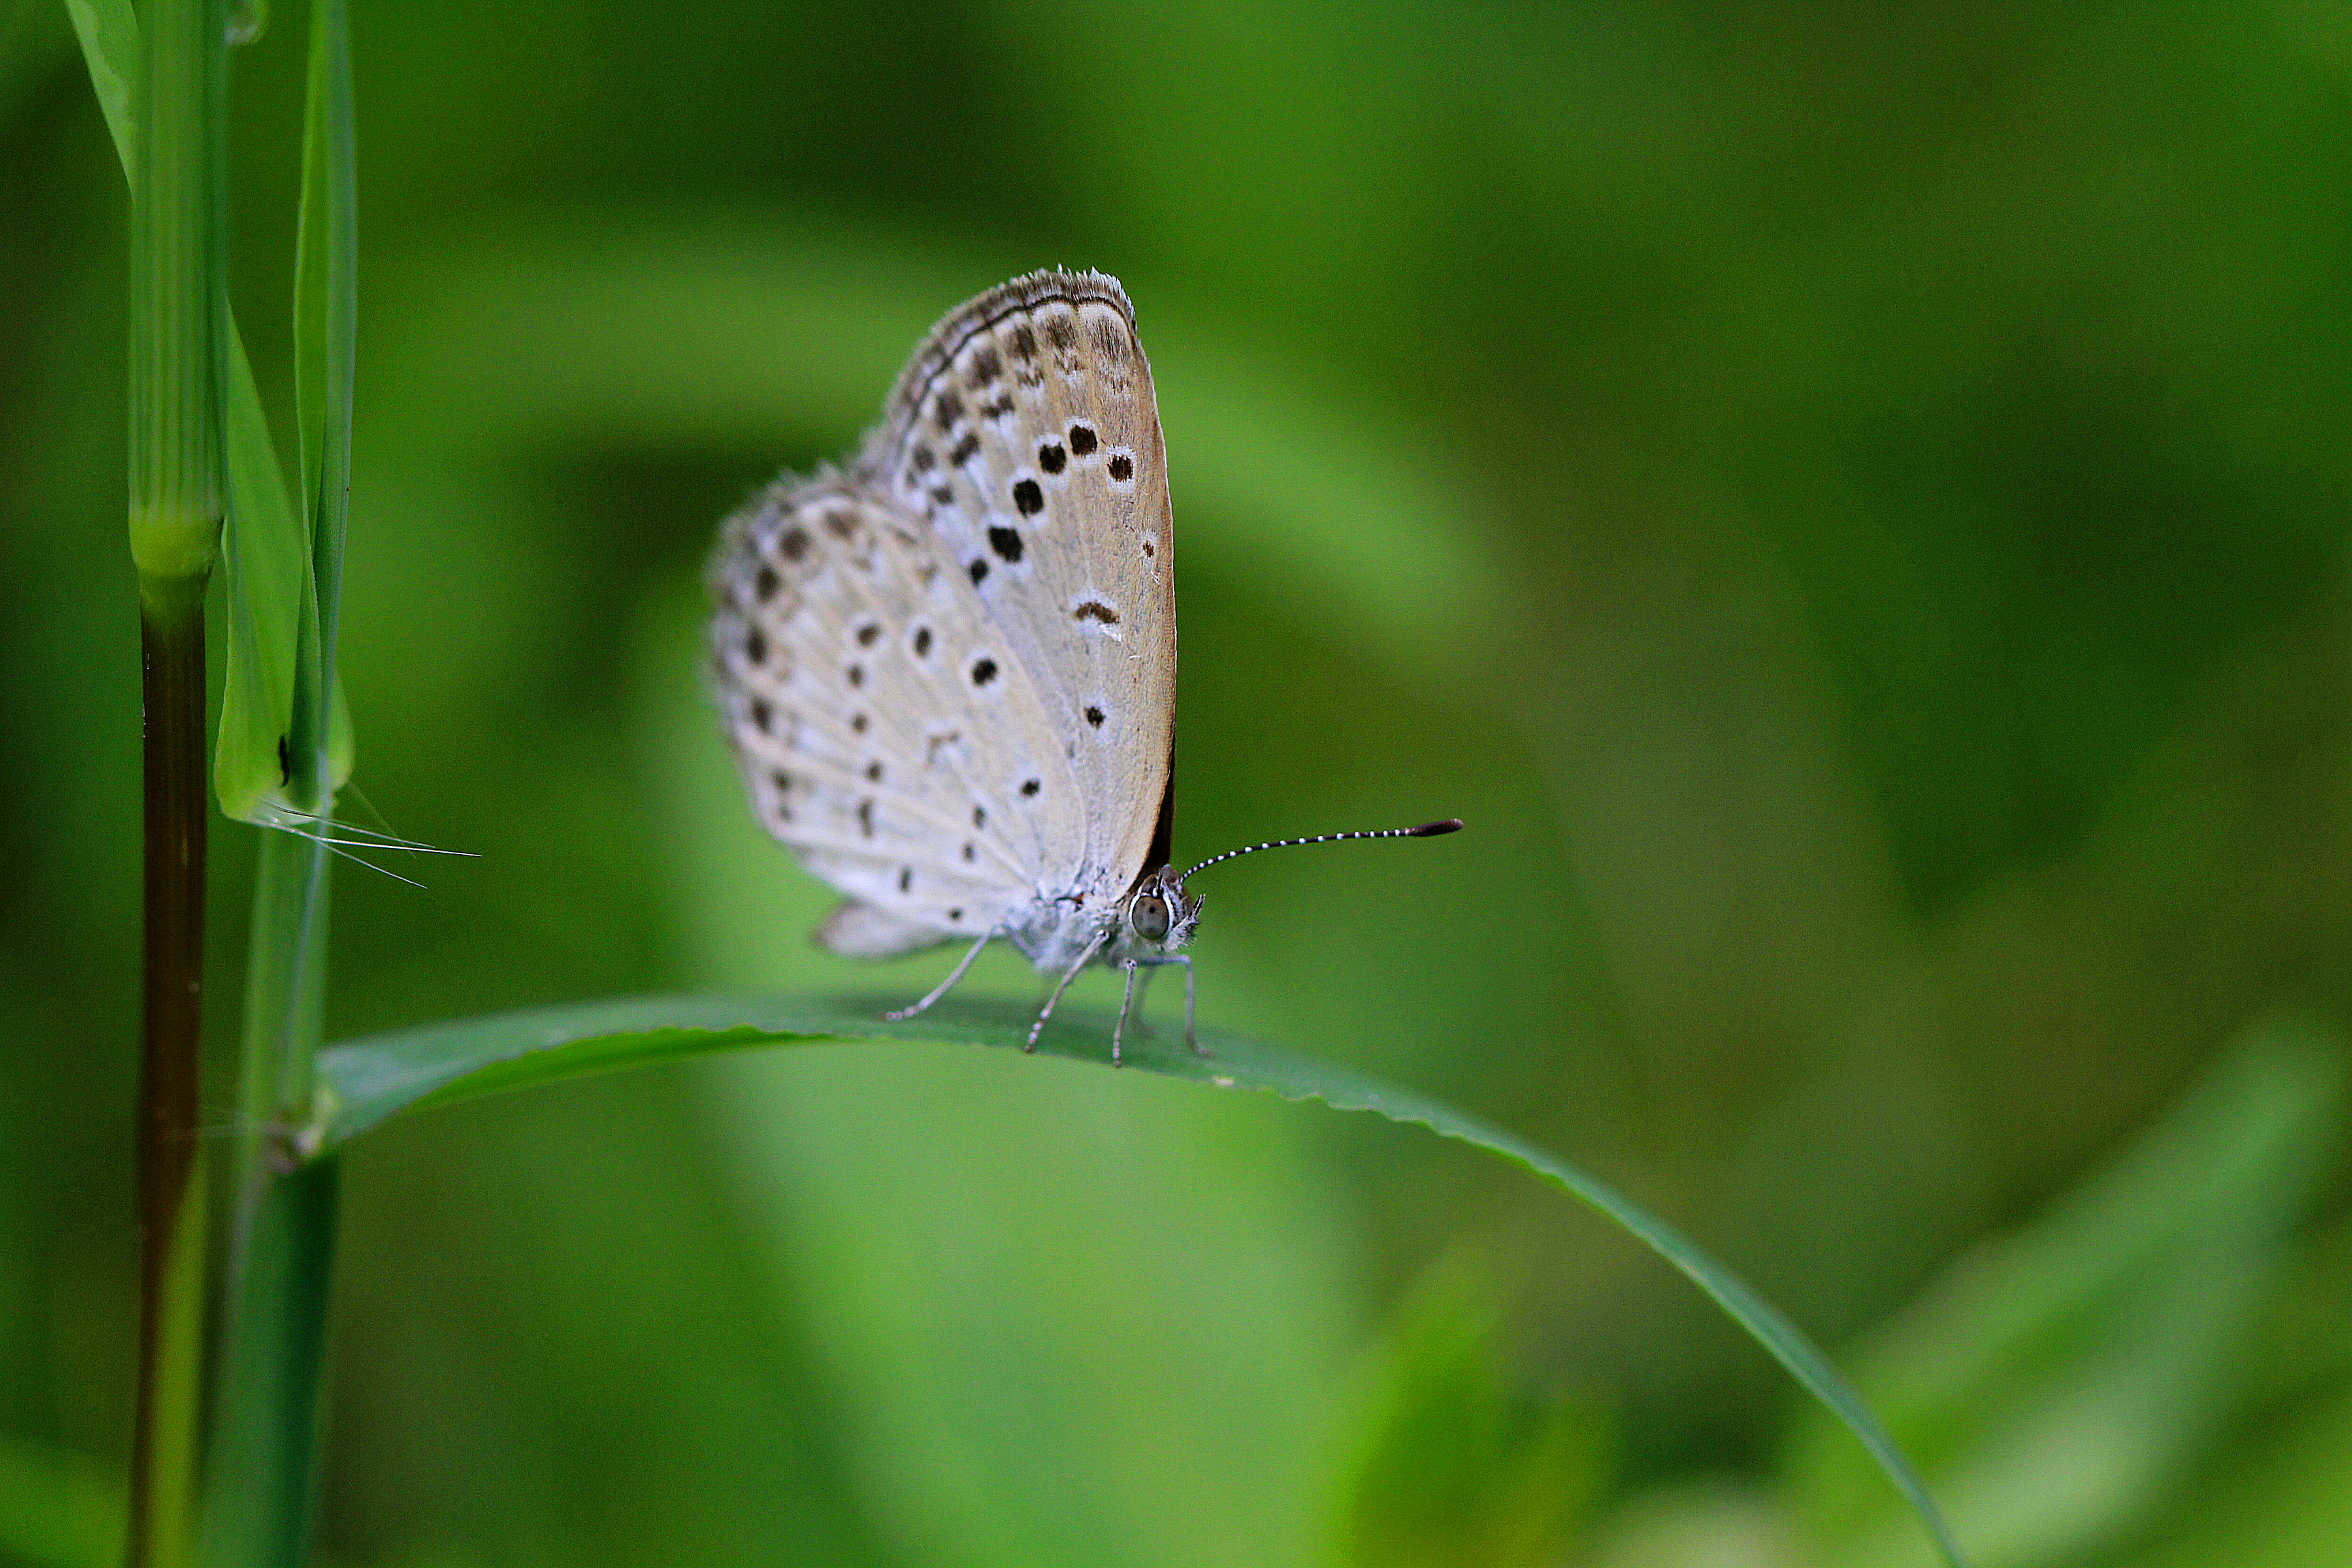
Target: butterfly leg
{"x":1126,"y":1004}
{"x":1190,"y":993}
{"x":1047,"y":1012}
{"x":1143,"y":987}
{"x":1191,"y":996}
{"x":900,"y":1015}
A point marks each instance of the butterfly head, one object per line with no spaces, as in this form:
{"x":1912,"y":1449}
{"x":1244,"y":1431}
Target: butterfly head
{"x":1160,"y":915}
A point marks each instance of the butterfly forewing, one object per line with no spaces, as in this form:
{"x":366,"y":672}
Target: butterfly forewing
{"x":1026,"y":433}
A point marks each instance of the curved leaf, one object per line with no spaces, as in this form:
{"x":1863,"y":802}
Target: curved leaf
{"x":367,"y":1081}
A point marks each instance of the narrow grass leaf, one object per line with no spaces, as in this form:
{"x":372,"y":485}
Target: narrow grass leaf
{"x":365,"y":1082}
{"x":265,"y":558}
{"x":326,"y":316}
{"x":109,"y":31}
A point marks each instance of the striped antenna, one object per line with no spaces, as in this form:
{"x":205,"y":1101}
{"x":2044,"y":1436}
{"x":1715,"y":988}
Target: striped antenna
{"x":1426,"y":830}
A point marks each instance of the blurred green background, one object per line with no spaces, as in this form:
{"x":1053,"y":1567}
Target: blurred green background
{"x":1848,"y":502}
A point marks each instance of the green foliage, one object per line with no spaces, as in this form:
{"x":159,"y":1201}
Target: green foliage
{"x":57,"y":1509}
{"x":2060,"y":1383}
{"x":1463,"y":1468}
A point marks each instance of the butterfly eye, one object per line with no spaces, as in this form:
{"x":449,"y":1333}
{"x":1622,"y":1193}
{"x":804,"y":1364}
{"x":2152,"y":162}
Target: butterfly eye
{"x":1149,"y":916}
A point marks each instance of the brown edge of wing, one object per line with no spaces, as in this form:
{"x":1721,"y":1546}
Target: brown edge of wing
{"x":1163,"y":832}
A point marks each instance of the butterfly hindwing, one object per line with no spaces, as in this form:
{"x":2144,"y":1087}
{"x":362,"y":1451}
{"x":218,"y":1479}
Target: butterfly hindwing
{"x":882,"y":730}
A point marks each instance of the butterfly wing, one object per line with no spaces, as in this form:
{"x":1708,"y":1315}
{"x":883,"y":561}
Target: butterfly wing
{"x":885,"y":729}
{"x":1024,"y":435}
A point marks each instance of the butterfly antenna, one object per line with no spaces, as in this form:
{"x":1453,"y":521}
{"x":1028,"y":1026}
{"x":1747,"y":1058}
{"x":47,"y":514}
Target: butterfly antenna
{"x":1426,"y":830}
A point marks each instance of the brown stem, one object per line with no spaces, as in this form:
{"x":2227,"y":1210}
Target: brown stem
{"x":170,"y":1192}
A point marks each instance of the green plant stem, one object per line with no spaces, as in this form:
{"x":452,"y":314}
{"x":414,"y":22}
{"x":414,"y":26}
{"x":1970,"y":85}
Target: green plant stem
{"x":258,"y":1493}
{"x":281,"y":1245}
{"x":177,"y":300}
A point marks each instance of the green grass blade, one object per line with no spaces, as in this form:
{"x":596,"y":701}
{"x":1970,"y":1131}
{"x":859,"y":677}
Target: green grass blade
{"x":271,"y":629}
{"x":265,"y":559}
{"x":109,"y":31}
{"x":366,"y":1081}
{"x":326,"y":316}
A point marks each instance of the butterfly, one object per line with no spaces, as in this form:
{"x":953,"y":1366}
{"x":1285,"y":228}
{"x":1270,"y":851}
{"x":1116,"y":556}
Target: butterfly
{"x":948,"y":668}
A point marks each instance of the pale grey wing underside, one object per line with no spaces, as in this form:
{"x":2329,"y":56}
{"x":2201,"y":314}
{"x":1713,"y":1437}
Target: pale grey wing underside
{"x":1026,"y":433}
{"x":884,"y":729}
{"x":861,"y":931}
